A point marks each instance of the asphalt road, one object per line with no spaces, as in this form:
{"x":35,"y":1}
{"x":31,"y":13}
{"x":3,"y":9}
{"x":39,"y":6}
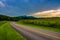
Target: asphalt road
{"x":31,"y":33}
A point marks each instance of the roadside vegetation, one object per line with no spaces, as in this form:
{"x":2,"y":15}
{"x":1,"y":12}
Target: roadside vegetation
{"x":2,"y":22}
{"x":44,"y":23}
{"x":8,"y":33}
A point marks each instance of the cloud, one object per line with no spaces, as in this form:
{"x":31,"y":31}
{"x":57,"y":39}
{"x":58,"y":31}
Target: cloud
{"x":2,"y":4}
{"x":3,"y":0}
{"x":48,"y":13}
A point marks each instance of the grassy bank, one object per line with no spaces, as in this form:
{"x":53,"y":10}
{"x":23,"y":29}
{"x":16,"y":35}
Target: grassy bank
{"x":46,"y":24}
{"x":7,"y":33}
{"x":2,"y":22}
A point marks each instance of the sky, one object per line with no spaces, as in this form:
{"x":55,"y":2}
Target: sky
{"x":25,"y":7}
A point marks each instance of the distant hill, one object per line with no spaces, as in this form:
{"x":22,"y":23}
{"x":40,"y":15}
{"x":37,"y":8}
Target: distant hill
{"x":26,"y":17}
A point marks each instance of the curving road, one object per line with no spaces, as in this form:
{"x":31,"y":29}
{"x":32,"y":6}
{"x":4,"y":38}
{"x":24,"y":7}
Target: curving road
{"x":31,"y":33}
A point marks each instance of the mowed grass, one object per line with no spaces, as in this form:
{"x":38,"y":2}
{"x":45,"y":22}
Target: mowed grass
{"x":8,"y":33}
{"x":52,"y":24}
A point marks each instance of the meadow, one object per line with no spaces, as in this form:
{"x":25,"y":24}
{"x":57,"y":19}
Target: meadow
{"x":8,"y":33}
{"x":44,"y":23}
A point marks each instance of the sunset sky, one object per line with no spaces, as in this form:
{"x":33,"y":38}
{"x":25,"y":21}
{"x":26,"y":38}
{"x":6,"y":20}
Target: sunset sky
{"x":24,"y":7}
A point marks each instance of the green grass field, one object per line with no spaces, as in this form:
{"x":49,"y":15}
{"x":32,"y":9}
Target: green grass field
{"x":52,"y":24}
{"x":8,"y":33}
{"x":2,"y":22}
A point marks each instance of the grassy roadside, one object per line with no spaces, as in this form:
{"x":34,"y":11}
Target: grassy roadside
{"x":42,"y":27}
{"x":2,"y":22}
{"x":7,"y":33}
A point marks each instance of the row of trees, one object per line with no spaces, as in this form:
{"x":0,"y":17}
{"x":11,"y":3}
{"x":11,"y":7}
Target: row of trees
{"x":9,"y":18}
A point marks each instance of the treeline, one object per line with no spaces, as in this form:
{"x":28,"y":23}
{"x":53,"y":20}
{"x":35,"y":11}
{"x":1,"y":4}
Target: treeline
{"x":9,"y":18}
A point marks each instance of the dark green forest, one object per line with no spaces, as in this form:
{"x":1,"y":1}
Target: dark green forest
{"x":17,"y":18}
{"x":9,"y":18}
